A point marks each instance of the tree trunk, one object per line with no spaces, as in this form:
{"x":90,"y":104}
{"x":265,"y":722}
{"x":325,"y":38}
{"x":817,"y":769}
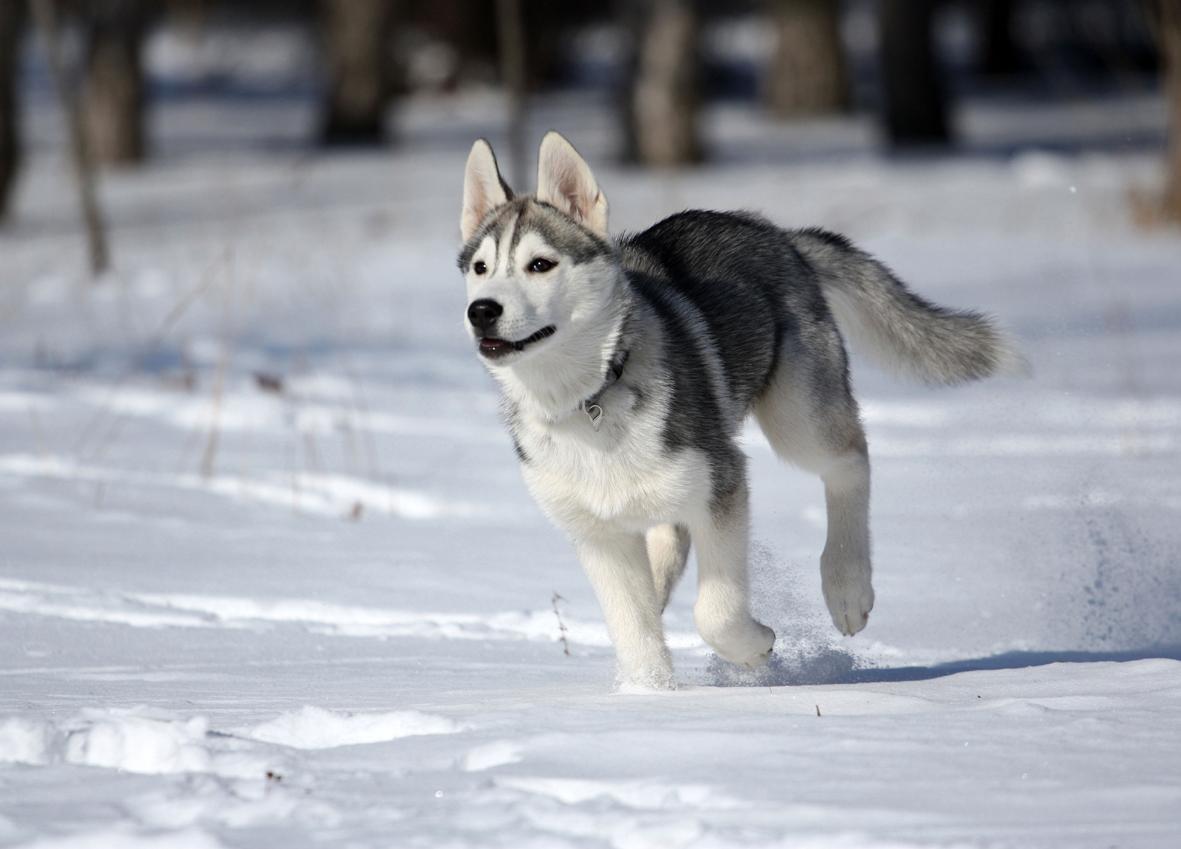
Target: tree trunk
{"x":661,"y":93}
{"x":999,"y":56}
{"x":510,"y":27}
{"x":356,"y":41}
{"x":915,"y":98}
{"x":45,"y":14}
{"x":1170,"y":40}
{"x":10,"y":26}
{"x":807,"y":74}
{"x":113,"y":89}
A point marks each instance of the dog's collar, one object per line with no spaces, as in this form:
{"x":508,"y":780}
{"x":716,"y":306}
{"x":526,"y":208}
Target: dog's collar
{"x":591,"y":406}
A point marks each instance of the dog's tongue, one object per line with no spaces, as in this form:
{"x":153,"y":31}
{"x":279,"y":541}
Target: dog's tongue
{"x":495,"y":347}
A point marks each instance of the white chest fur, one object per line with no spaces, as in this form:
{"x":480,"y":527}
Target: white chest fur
{"x":620,"y":475}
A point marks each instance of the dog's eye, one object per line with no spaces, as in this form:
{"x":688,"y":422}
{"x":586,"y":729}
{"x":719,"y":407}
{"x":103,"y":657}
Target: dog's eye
{"x":541,"y":266}
{"x":479,"y":267}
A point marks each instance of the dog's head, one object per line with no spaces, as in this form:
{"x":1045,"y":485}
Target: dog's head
{"x":538,"y":267}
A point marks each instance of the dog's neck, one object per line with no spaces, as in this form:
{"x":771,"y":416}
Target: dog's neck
{"x":554,"y":384}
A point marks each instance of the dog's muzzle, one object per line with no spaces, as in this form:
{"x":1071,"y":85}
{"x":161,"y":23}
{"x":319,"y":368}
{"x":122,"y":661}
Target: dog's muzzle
{"x":492,"y":347}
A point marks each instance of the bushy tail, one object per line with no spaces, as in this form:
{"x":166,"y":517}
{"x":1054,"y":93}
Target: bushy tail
{"x":877,"y":312}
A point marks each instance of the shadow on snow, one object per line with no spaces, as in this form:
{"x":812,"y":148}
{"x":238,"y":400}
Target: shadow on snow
{"x":836,"y":666}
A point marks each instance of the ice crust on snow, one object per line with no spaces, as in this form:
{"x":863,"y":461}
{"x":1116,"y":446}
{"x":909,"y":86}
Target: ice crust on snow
{"x":141,"y":741}
{"x":129,"y":740}
{"x":316,"y":728}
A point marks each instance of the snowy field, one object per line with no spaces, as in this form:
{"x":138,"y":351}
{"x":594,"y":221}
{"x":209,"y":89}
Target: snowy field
{"x":269,"y":576}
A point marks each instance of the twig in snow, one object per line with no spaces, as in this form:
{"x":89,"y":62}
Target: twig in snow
{"x":561,"y":625}
{"x":267,"y":382}
{"x":223,"y":364}
{"x":818,"y":710}
{"x":360,"y":404}
{"x":210,"y":455}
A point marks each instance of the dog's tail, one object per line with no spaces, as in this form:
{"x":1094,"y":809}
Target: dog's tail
{"x":897,"y":327}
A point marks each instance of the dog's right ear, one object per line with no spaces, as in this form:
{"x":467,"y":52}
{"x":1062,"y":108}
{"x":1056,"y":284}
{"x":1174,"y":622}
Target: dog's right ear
{"x":483,"y":188}
{"x":565,"y":180}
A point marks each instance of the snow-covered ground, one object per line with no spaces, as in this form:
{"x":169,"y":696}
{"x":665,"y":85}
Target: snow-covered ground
{"x":268,"y":574}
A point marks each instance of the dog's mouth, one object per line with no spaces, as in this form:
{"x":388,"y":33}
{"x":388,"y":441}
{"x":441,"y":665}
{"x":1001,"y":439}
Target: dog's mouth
{"x":494,"y":348}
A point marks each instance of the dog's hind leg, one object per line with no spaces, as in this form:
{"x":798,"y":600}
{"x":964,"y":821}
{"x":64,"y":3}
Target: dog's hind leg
{"x":668,"y":550}
{"x":810,"y":417}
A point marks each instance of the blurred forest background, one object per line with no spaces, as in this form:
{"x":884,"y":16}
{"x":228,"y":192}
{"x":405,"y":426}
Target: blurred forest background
{"x":649,"y":66}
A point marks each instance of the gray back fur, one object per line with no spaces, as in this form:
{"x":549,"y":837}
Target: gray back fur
{"x":756,"y":285}
{"x":764,"y":294}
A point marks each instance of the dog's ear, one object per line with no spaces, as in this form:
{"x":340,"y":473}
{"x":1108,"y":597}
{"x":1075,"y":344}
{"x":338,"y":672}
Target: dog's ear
{"x":565,"y":180}
{"x":483,"y":188}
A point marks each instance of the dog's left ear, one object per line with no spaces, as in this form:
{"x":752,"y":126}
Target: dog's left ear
{"x":483,"y":188}
{"x":565,"y":180}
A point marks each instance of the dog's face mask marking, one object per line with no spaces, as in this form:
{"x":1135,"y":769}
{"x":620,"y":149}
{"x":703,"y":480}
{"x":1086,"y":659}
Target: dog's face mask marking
{"x":533,"y":266}
{"x":515,"y":293}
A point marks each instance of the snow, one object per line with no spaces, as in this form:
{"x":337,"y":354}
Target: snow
{"x":269,"y":576}
{"x":315,"y":728}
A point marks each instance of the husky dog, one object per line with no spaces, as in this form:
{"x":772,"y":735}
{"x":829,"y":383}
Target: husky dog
{"x":627,"y":367}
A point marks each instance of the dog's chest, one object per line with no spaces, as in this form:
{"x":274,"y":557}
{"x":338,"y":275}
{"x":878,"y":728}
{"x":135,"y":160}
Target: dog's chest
{"x":620,"y":473}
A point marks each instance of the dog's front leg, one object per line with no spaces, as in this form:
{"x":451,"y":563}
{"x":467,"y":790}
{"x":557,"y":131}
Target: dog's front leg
{"x":617,"y":565}
{"x":722,"y":611}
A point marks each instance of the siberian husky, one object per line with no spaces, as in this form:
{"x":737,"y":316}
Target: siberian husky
{"x":627,"y":366}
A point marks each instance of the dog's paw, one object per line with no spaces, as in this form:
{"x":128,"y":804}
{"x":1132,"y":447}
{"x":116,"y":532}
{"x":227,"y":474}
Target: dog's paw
{"x":747,"y":644}
{"x":849,"y":600}
{"x":639,"y":681}
{"x":756,"y":648}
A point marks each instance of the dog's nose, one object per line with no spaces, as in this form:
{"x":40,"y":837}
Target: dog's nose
{"x":483,"y":313}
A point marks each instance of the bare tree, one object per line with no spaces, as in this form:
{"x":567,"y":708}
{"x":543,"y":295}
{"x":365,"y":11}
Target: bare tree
{"x":807,"y":73}
{"x":999,"y":55}
{"x":661,"y":91}
{"x":113,"y":81}
{"x":1170,"y":40}
{"x":45,"y":14}
{"x":915,"y":97}
{"x":510,"y":26}
{"x":11,"y":13}
{"x":356,"y":43}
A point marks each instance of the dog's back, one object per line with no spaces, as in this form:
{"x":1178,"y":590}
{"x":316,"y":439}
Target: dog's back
{"x":740,"y":274}
{"x":763,"y":290}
